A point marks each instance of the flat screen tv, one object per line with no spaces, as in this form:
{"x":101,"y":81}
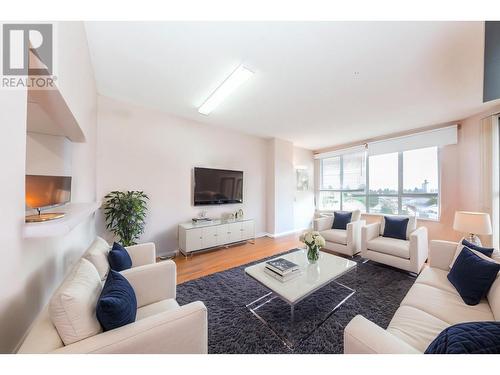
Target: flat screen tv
{"x":47,"y":191}
{"x":217,"y":186}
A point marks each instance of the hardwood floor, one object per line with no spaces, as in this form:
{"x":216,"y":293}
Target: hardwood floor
{"x":217,"y":260}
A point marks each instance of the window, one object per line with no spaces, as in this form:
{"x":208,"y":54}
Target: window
{"x":420,"y":193}
{"x":343,"y":182}
{"x":383,"y":184}
{"x":405,"y":182}
{"x":384,"y":174}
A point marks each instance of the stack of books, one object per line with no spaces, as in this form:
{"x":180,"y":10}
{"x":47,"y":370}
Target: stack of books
{"x":282,"y":269}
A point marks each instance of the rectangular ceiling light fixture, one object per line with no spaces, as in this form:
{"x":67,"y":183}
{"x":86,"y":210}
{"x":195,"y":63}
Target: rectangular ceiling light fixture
{"x":237,"y":78}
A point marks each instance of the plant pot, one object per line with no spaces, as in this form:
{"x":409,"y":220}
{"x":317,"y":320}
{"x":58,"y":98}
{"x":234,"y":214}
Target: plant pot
{"x":312,"y":254}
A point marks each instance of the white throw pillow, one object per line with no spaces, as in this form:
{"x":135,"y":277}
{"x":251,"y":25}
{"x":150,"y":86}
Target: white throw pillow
{"x":411,"y":227}
{"x":97,"y":254}
{"x":457,"y":251}
{"x":72,"y":308}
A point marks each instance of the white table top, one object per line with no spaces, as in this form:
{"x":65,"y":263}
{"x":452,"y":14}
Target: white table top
{"x":201,"y":224}
{"x":313,"y":276}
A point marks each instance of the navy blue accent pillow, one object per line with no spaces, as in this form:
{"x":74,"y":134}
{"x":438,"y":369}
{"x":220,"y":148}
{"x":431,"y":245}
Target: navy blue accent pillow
{"x":484,"y":250}
{"x":341,"y":219}
{"x":118,"y":258}
{"x":395,"y":227}
{"x":472,"y":276}
{"x":117,"y":304}
{"x":467,"y":338}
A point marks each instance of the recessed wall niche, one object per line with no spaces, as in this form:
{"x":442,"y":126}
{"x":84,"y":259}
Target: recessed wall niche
{"x":48,"y":155}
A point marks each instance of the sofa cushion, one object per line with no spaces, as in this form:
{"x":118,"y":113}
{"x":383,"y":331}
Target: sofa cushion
{"x":72,"y":307}
{"x":341,"y":219}
{"x":117,"y":304}
{"x":437,"y":278}
{"x":156,"y":308}
{"x":468,"y":338}
{"x":411,"y":227}
{"x":395,"y":227}
{"x":472,"y":276}
{"x":97,"y":254}
{"x":391,"y":246}
{"x":335,"y":235}
{"x":446,"y":306}
{"x":118,"y":258}
{"x":415,"y":327}
{"x":42,"y":337}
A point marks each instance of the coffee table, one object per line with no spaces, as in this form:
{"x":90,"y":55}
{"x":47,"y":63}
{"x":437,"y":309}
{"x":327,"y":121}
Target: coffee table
{"x":313,"y":277}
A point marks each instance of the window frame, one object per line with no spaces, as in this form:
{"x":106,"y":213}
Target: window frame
{"x":341,"y":191}
{"x":400,"y":194}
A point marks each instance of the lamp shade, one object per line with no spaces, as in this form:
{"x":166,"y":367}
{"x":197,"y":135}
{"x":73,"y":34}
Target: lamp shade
{"x":472,"y":222}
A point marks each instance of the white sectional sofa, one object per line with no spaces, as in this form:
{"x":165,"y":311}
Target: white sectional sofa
{"x":161,"y":326}
{"x":347,"y":242}
{"x":431,"y":305}
{"x":409,"y":255}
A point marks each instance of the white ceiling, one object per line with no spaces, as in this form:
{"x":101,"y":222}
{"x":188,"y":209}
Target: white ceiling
{"x":316,"y":84}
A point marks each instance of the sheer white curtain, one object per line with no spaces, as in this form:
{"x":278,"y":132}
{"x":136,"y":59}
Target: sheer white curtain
{"x":490,"y":179}
{"x":496,"y":181}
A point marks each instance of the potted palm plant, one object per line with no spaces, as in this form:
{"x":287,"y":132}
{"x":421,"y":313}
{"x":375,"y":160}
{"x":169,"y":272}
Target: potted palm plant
{"x":125,"y":215}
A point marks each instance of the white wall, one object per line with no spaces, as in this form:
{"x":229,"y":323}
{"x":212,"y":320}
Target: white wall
{"x":281,"y":187}
{"x":143,"y":149}
{"x":30,"y":270}
{"x":288,"y":210}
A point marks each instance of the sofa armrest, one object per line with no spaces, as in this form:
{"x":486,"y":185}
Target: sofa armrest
{"x":362,"y":336}
{"x":368,"y":232}
{"x":179,"y":331}
{"x":144,"y":253}
{"x":354,"y":234}
{"x":152,"y":282}
{"x":419,"y":248}
{"x":323,"y":223}
{"x":441,"y":254}
{"x":371,"y":231}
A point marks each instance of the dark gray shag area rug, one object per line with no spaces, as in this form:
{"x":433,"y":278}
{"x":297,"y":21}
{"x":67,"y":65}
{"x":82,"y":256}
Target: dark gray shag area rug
{"x":232,"y":328}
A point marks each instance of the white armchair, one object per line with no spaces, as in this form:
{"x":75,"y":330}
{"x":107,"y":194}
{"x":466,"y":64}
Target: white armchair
{"x":142,"y":254}
{"x":347,"y":241}
{"x":409,"y":255}
{"x":161,"y":326}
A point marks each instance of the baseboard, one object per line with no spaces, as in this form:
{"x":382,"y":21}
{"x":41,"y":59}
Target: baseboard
{"x":281,"y":234}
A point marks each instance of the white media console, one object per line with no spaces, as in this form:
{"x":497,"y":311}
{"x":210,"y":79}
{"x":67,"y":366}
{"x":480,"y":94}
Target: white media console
{"x":215,"y":233}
